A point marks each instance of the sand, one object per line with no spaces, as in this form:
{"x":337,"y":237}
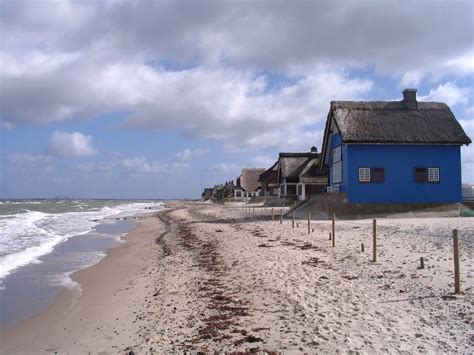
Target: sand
{"x":208,"y":277}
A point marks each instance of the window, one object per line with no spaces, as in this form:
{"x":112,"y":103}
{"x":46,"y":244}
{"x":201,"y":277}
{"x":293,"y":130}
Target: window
{"x":378,"y":175}
{"x":433,"y":174}
{"x":423,"y":175}
{"x":337,"y":164}
{"x":337,"y":172}
{"x":364,"y":174}
{"x":336,"y":154}
{"x":291,"y":190}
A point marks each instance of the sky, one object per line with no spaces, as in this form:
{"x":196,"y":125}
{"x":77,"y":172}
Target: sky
{"x":159,"y":99}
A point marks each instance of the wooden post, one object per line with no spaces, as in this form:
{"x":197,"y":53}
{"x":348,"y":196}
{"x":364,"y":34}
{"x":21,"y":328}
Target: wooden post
{"x":333,"y":229}
{"x":457,"y":271}
{"x":273,"y":215}
{"x":330,"y":236}
{"x":374,"y":241}
{"x":281,"y":216}
{"x":309,"y":222}
{"x":422,"y":263}
{"x":293,"y":219}
{"x":362,"y":247}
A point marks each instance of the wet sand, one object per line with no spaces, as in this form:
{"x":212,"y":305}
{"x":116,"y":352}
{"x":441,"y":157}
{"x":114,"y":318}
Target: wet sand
{"x":209,"y":277}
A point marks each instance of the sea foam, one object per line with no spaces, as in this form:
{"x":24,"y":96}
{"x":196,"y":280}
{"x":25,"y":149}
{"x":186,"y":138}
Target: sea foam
{"x":27,"y":235}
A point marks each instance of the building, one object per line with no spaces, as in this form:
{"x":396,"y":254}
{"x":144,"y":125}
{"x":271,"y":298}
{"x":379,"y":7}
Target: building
{"x":299,"y":176}
{"x":393,"y":152}
{"x":269,"y":181}
{"x":248,"y":184}
{"x":207,"y":194}
{"x":468,"y":193}
{"x":227,"y":192}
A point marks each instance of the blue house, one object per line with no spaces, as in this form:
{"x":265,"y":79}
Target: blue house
{"x":393,"y":151}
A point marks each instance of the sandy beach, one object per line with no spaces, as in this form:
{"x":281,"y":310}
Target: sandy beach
{"x":207,"y":277}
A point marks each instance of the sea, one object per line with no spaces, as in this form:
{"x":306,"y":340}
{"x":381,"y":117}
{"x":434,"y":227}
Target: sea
{"x":42,"y":242}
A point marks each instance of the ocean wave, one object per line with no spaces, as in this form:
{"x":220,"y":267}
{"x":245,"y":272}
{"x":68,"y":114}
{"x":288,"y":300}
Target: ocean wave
{"x":28,"y":235}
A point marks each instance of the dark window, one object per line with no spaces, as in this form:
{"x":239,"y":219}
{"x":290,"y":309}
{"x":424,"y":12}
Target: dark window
{"x":421,"y":175}
{"x":378,"y":175}
{"x":291,"y":190}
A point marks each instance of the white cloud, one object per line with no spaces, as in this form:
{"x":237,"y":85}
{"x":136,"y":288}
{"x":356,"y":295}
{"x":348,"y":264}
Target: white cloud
{"x":35,"y":165}
{"x":69,"y":144}
{"x":411,"y":79}
{"x":27,"y":160}
{"x":262,"y":161}
{"x":225,"y":168}
{"x":96,"y":167}
{"x":448,"y":93}
{"x":6,"y":125}
{"x":189,"y":154}
{"x":207,"y":67}
{"x":140,"y":165}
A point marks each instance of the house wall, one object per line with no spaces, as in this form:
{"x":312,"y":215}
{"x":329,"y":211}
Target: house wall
{"x":399,"y":162}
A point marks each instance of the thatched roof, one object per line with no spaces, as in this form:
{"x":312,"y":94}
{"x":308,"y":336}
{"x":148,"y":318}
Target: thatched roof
{"x":291,"y":164}
{"x":249,"y":179}
{"x":311,"y":174}
{"x":301,"y":165}
{"x":393,"y":122}
{"x":269,"y":173}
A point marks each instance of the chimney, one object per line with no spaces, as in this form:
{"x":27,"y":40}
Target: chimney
{"x":409,"y":99}
{"x":314,"y":149}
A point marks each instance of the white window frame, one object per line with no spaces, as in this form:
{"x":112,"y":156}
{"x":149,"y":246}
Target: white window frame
{"x":364,"y":174}
{"x":433,"y":174}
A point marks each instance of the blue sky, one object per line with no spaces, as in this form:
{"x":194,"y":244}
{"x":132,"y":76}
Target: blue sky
{"x":138,"y":99}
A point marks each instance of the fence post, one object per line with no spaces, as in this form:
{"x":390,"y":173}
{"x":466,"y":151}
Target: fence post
{"x":281,"y":216}
{"x":374,"y":241}
{"x":293,"y":219}
{"x":457,"y":271}
{"x":309,"y":222}
{"x":333,"y":229}
{"x":273,"y":215}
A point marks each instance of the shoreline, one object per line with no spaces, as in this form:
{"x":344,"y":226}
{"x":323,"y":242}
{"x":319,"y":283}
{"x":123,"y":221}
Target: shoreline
{"x":29,"y":290}
{"x":205,"y":277}
{"x":82,"y":304}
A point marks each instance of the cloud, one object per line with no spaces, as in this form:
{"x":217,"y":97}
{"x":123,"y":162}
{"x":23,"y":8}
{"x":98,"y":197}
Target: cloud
{"x":225,"y":168}
{"x":189,"y":154}
{"x":270,"y":34}
{"x":27,"y":160}
{"x":448,"y":93}
{"x":140,"y":165}
{"x":262,"y":161}
{"x":6,"y":125}
{"x":208,"y":67}
{"x":35,"y":165}
{"x":69,"y":144}
{"x":135,"y":166}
